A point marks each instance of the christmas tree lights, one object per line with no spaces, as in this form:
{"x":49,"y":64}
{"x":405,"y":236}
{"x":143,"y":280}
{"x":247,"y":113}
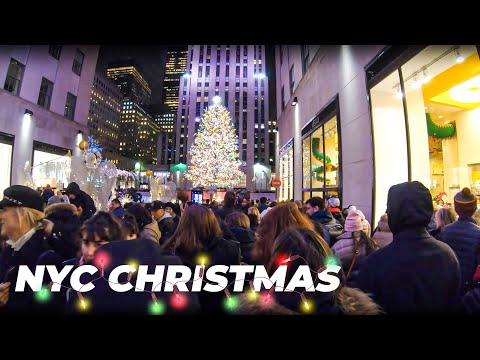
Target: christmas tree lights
{"x":214,"y":156}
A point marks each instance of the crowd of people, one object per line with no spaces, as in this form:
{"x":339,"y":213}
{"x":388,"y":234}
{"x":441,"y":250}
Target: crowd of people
{"x":418,"y":258}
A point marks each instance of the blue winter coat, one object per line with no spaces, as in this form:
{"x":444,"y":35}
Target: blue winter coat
{"x":463,"y":236}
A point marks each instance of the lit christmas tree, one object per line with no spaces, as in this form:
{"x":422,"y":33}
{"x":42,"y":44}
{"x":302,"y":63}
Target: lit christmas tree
{"x":214,"y":157}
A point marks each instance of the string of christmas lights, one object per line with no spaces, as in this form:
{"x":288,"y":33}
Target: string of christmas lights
{"x":179,"y":301}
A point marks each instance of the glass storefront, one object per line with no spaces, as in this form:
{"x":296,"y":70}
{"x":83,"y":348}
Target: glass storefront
{"x":6,"y":150}
{"x":426,"y":121}
{"x":286,"y":172}
{"x":51,"y":166}
{"x":320,"y":155}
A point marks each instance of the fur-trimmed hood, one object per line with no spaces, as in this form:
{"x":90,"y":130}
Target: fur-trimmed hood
{"x":350,"y":301}
{"x":356,"y":302}
{"x":50,"y":209}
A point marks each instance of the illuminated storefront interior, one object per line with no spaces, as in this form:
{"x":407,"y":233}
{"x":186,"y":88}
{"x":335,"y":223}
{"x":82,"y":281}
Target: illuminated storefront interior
{"x":426,"y":124}
{"x":51,"y":166}
{"x":320,"y":156}
{"x":286,"y":172}
{"x":6,"y":148}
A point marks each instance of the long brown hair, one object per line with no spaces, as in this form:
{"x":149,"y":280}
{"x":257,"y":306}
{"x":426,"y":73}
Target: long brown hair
{"x":276,"y":220}
{"x":197,"y":226}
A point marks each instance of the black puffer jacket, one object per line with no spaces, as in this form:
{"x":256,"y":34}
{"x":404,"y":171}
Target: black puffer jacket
{"x":415,"y":273}
{"x":246,"y":238}
{"x":463,"y":236}
{"x":219,"y":252}
{"x":36,"y":251}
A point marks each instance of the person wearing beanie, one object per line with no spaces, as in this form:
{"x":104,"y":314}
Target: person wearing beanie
{"x":333,"y":205}
{"x":353,"y":246}
{"x":463,"y":236}
{"x":415,"y":274}
{"x":365,"y":224}
{"x":382,"y":235}
{"x":170,"y":208}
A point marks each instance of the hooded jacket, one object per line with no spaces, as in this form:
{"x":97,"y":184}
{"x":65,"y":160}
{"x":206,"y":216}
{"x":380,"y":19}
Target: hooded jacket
{"x":415,"y":273}
{"x":81,"y":199}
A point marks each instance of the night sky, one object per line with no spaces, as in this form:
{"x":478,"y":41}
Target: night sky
{"x":150,"y":60}
{"x":151,"y":63}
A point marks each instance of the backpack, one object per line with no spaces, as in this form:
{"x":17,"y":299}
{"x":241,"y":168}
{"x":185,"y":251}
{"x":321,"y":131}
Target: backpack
{"x":334,"y":230}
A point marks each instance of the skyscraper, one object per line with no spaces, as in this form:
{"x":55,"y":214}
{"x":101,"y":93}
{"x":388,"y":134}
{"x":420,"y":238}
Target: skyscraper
{"x":104,"y":113}
{"x":131,"y":82}
{"x":236,"y":73}
{"x":138,"y":131}
{"x":175,"y":67}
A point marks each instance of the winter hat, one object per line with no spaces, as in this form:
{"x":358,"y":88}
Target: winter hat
{"x":334,"y":202}
{"x":21,"y":196}
{"x":465,"y":202}
{"x":353,"y":222}
{"x":366,"y":225}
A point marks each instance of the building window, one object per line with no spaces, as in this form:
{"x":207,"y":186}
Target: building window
{"x":283,"y":98}
{"x":70,"y":106}
{"x":14,"y":77}
{"x":45,"y":94}
{"x":200,"y":72}
{"x":292,"y":79}
{"x":431,"y":130}
{"x":320,"y":155}
{"x":78,"y":62}
{"x":55,"y":51}
{"x":305,"y":57}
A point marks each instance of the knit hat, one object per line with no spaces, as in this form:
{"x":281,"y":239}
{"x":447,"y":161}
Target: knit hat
{"x":353,"y":222}
{"x":334,"y":202}
{"x":465,"y":202}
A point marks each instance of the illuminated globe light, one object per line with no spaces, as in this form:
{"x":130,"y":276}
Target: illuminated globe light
{"x":156,"y":308}
{"x":231,"y":303}
{"x":83,"y":145}
{"x":43,"y":295}
{"x":217,"y":99}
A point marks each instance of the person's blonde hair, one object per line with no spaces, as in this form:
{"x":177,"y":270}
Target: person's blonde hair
{"x":445,"y":216}
{"x":32,"y":217}
{"x":253,"y":210}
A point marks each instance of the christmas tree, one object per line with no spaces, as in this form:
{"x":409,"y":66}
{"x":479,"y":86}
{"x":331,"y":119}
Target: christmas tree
{"x":214,"y":157}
